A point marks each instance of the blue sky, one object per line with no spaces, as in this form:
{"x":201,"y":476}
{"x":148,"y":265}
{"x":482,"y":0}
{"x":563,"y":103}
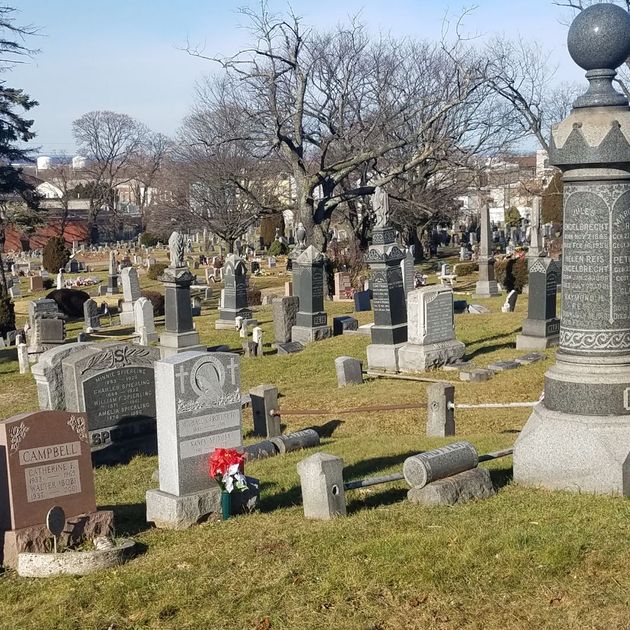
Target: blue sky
{"x":126,"y":55}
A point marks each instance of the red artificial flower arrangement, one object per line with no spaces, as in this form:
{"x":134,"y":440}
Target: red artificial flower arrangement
{"x":227,"y":467}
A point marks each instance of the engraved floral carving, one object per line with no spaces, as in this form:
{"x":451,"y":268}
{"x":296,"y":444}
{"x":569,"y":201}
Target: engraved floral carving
{"x":120,"y":357}
{"x":16,"y":435}
{"x":77,"y":424}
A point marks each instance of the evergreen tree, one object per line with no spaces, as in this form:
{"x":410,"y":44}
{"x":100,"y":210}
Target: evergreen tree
{"x":18,"y":200}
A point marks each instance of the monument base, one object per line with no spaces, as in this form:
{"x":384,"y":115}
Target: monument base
{"x":383,"y":357}
{"x":37,"y":538}
{"x":486,"y":289}
{"x":528,"y":342}
{"x":306,"y":334}
{"x":174,"y":343}
{"x":418,"y":358}
{"x":225,"y":324}
{"x":168,"y":511}
{"x":574,"y":452}
{"x":126,"y":318}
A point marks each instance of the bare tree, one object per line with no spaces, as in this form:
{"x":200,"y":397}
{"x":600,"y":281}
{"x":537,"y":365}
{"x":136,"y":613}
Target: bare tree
{"x":213,"y":184}
{"x":346,"y":114}
{"x":144,"y":168}
{"x":110,"y":141}
{"x":524,"y":78}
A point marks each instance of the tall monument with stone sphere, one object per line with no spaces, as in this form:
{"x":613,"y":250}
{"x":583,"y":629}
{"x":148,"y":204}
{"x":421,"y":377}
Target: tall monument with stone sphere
{"x":578,"y":437}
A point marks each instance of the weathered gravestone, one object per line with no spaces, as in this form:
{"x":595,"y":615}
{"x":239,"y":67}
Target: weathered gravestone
{"x":144,"y":323}
{"x":112,"y":276}
{"x":408,"y":272}
{"x":431,"y":330}
{"x":349,"y":371}
{"x":362,"y":301}
{"x":486,"y":285}
{"x":510,"y":302}
{"x":131,"y":292}
{"x":199,"y":409}
{"x":92,"y":320}
{"x":308,"y":283}
{"x":389,"y":332}
{"x":578,"y":436}
{"x":343,"y":287}
{"x":541,"y":329}
{"x":46,"y":326}
{"x":48,"y":373}
{"x":44,"y":461}
{"x":114,"y":384}
{"x":36,"y":284}
{"x":234,"y":293}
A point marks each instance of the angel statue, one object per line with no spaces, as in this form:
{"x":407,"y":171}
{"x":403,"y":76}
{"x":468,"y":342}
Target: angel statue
{"x":176,"y":248}
{"x":381,"y":207}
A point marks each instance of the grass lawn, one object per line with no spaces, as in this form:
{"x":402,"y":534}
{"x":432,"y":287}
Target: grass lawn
{"x":524,"y":559}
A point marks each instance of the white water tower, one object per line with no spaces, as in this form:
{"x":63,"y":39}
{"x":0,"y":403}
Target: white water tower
{"x":44,"y":163}
{"x":79,"y":162}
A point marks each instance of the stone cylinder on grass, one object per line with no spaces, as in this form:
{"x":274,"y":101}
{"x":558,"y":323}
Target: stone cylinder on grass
{"x":421,"y":469}
{"x":465,"y":486}
{"x":306,"y":438}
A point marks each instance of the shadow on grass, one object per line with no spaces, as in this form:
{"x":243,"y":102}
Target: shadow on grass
{"x":289,"y":497}
{"x":487,"y":350}
{"x":327,"y":429}
{"x":355,"y":502}
{"x":501,"y":477}
{"x":129,"y":518}
{"x":496,"y":337}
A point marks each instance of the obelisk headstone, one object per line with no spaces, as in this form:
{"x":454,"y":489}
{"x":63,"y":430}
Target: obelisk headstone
{"x":180,"y":334}
{"x":486,"y":285}
{"x":112,"y":276}
{"x":389,"y":332}
{"x":578,"y":437}
{"x":536,"y":247}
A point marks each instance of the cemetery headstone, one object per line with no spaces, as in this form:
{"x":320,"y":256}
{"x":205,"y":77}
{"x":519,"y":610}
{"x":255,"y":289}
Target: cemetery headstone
{"x":510,"y":302}
{"x":284,"y":317}
{"x":486,"y":285}
{"x":343,"y":287}
{"x":131,"y":292}
{"x":349,"y":371}
{"x":114,"y":385}
{"x":144,"y":323}
{"x":92,"y":319}
{"x":179,"y":334}
{"x":308,"y":282}
{"x":541,"y":329}
{"x":46,"y":326}
{"x":199,"y":409}
{"x":36,"y":283}
{"x":234,"y":302}
{"x":389,"y":332}
{"x":408,"y":271}
{"x":112,"y":276}
{"x":343,"y":323}
{"x":264,"y":400}
{"x":431,"y":330}
{"x":44,"y":462}
{"x":362,"y":301}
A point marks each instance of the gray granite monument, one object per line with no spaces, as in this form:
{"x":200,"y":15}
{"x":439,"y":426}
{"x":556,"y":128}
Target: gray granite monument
{"x":91,"y":317}
{"x":114,"y":384}
{"x":389,"y":332}
{"x":112,"y":276}
{"x":431,"y":331}
{"x":234,"y":294}
{"x":198,"y":402}
{"x":486,"y":285}
{"x":131,"y":292}
{"x":180,"y":334}
{"x":311,"y":323}
{"x":578,"y":437}
{"x":285,"y":311}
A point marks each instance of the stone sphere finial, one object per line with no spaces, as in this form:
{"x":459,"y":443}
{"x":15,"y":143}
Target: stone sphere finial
{"x":599,"y":37}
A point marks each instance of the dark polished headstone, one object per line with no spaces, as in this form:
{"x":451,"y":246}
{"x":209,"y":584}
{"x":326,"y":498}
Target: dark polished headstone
{"x":541,"y":329}
{"x":311,"y":322}
{"x":234,"y":293}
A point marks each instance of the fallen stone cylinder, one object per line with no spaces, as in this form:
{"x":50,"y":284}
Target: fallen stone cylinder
{"x":465,"y":486}
{"x":296,"y":441}
{"x":421,"y":469}
{"x":261,"y":450}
